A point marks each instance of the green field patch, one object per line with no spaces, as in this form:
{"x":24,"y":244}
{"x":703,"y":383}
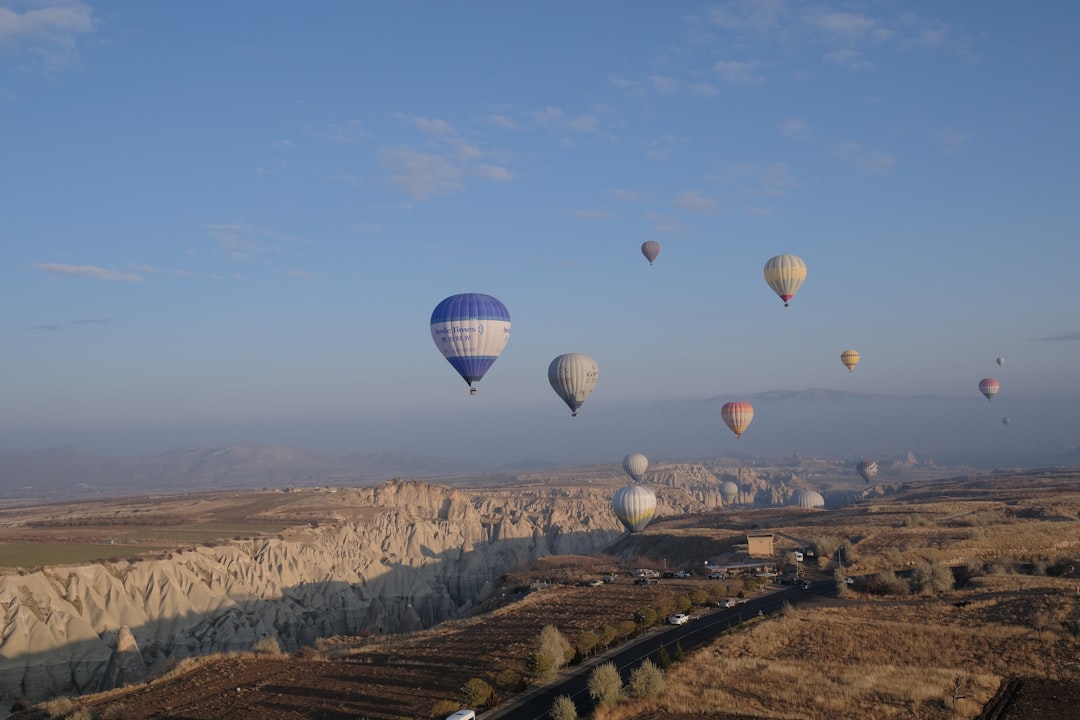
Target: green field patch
{"x":34,"y":554}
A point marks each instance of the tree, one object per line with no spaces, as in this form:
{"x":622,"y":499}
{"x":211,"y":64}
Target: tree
{"x":646,"y":617}
{"x":555,"y":645}
{"x":586,"y":642}
{"x":663,"y":660}
{"x":626,"y":628}
{"x":563,"y":709}
{"x":541,"y":665}
{"x":679,"y":655}
{"x":606,"y":634}
{"x":477,"y":692}
{"x":605,"y":684}
{"x":646,"y":681}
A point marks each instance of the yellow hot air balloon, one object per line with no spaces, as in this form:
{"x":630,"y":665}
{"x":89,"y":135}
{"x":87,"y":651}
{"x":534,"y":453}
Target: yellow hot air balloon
{"x":785,"y":274}
{"x":850,"y":358}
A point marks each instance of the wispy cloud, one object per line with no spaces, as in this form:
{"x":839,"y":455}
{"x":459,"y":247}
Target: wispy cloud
{"x":349,"y":132}
{"x":848,"y":34}
{"x":869,"y":161}
{"x":443,"y":161}
{"x":52,"y":327}
{"x":502,"y":121}
{"x":950,"y":141}
{"x":661,"y":148}
{"x":769,"y":179}
{"x":242,"y":241}
{"x":554,"y":118}
{"x":694,"y":201}
{"x":421,"y":174}
{"x":630,"y":196}
{"x":794,"y":128}
{"x":738,"y":72}
{"x":302,"y":274}
{"x":49,"y":31}
{"x":1073,"y":336}
{"x":850,"y":58}
{"x":88,"y":271}
{"x":593,"y":214}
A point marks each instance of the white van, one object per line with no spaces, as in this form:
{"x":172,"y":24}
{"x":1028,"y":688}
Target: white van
{"x":462,"y":715}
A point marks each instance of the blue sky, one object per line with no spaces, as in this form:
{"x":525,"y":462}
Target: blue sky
{"x":225,"y":218}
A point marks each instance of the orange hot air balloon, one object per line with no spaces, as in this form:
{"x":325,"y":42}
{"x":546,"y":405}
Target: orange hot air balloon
{"x":737,"y":416}
{"x":850,"y":358}
{"x":989,"y":387}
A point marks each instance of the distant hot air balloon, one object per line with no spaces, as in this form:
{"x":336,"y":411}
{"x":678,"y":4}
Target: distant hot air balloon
{"x":850,"y":358}
{"x":1004,"y":421}
{"x":635,"y":506}
{"x":989,"y":387}
{"x":650,"y":249}
{"x":635,"y":465}
{"x":785,"y":274}
{"x":867,"y":469}
{"x":729,"y":491}
{"x":1000,"y":361}
{"x":737,"y":416}
{"x":573,"y":376}
{"x":470,"y":330}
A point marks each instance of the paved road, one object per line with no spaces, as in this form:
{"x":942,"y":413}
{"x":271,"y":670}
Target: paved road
{"x":536,"y":704}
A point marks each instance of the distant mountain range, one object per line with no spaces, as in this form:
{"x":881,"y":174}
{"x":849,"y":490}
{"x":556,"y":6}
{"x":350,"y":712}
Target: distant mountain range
{"x":72,"y":473}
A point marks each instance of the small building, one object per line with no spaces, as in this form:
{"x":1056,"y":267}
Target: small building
{"x":760,"y":544}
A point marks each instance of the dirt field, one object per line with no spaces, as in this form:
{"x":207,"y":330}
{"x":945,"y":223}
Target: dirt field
{"x":385,"y":678}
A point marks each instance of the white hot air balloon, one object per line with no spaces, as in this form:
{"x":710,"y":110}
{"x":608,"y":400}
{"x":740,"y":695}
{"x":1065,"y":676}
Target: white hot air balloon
{"x":635,"y":465}
{"x":635,"y":506}
{"x":573,"y":376}
{"x":729,"y":491}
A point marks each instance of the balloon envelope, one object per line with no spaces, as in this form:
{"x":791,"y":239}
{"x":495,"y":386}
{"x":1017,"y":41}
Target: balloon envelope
{"x":737,"y":416}
{"x":573,"y":376}
{"x":650,"y":249}
{"x":1004,"y":421}
{"x":635,"y":506}
{"x":867,"y":469}
{"x":785,"y":275}
{"x":1000,"y":361}
{"x":729,"y":491}
{"x":470,"y":330}
{"x":635,"y":465}
{"x":850,"y":358}
{"x":989,"y":387}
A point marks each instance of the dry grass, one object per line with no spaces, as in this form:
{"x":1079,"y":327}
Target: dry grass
{"x":873,"y":659}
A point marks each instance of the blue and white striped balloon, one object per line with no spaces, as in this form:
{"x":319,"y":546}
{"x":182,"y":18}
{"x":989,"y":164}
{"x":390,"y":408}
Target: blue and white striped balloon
{"x":470,"y":330}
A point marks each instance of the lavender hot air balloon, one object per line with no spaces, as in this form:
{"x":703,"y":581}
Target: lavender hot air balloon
{"x":650,"y":249}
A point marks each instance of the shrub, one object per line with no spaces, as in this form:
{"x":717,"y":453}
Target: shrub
{"x":563,"y":709}
{"x":929,"y":577}
{"x":510,"y":680}
{"x":887,"y":583}
{"x":541,"y":665}
{"x":267,"y":646}
{"x":477,"y":692}
{"x":605,"y":684}
{"x":663,"y":659}
{"x":646,"y":681}
{"x":679,"y":655}
{"x":683,"y":603}
{"x":442,"y":708}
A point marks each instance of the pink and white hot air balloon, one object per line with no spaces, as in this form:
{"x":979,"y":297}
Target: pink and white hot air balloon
{"x":989,"y":387}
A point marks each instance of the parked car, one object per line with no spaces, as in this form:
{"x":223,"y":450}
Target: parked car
{"x":596,"y":583}
{"x":646,"y":581}
{"x":684,"y":574}
{"x":678,"y":619}
{"x":462,"y":715}
{"x":729,"y":603}
{"x":849,"y":581}
{"x":717,"y":575}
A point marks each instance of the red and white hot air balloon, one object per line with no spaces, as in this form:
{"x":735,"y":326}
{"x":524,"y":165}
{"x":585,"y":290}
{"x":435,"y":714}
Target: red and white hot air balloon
{"x":989,"y":387}
{"x":737,"y":416}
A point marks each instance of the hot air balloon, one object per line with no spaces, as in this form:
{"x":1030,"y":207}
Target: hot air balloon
{"x":737,"y":416}
{"x":470,"y":330}
{"x":850,"y":358}
{"x":635,"y":465}
{"x":729,"y":491}
{"x":634,"y":505}
{"x":989,"y":387}
{"x":1004,"y":421}
{"x":1000,"y":361}
{"x":785,"y":274}
{"x":650,"y":249}
{"x":573,"y":376}
{"x":867,"y":469}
